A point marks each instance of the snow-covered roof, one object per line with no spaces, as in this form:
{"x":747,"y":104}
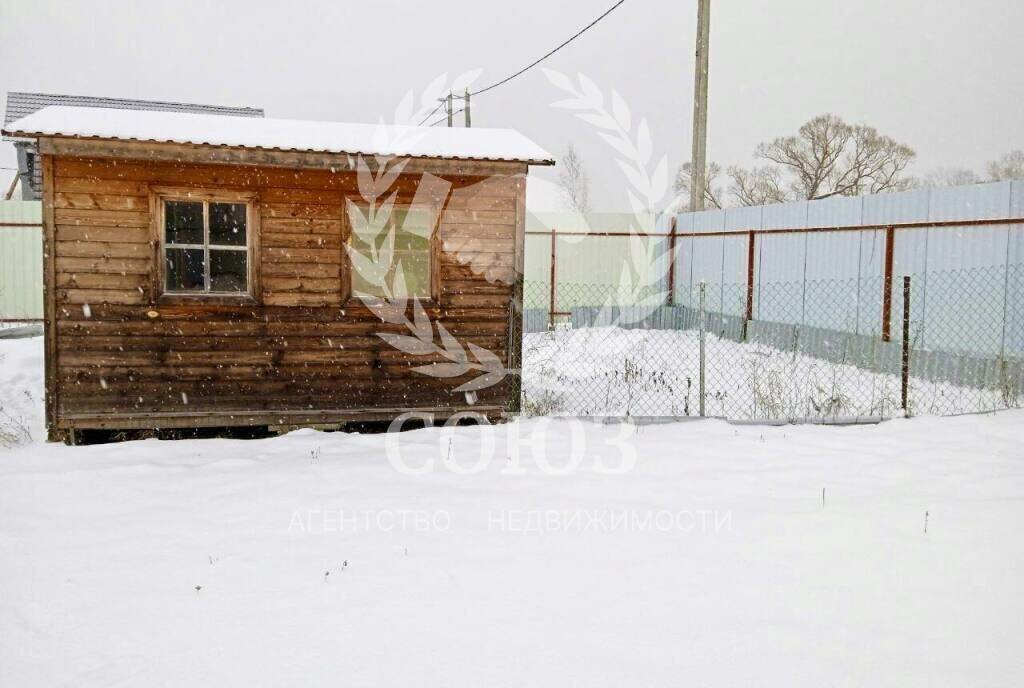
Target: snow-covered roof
{"x":21,"y":104}
{"x":455,"y":143}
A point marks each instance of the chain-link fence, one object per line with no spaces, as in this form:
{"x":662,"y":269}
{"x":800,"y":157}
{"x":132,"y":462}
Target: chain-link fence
{"x":801,"y":350}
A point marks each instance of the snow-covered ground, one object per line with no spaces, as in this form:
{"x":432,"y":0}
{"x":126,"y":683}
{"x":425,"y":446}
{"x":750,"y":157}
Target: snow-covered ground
{"x":602,"y":371}
{"x":312,"y":560}
{"x":21,"y":391}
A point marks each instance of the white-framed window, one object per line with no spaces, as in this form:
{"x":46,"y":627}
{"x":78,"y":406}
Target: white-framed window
{"x":206,"y":245}
{"x":398,"y":250}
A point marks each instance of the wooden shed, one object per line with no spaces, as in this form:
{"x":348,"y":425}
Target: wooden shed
{"x":203,"y":271}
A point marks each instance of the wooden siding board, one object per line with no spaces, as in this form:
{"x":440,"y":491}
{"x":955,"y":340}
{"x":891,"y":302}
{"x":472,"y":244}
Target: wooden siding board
{"x":302,"y":345}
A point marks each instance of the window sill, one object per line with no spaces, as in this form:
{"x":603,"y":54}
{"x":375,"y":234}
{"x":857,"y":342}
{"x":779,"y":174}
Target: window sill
{"x":352,"y":301}
{"x":206,"y":300}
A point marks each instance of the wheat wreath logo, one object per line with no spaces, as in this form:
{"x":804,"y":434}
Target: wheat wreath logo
{"x":642,"y":277}
{"x":385,"y":230}
{"x":385,"y":227}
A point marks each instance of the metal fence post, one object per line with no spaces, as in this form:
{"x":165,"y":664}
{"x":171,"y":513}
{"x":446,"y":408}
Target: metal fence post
{"x":748,"y":309}
{"x":551,"y":303}
{"x":671,"y":300}
{"x":890,"y":245}
{"x":700,"y":319}
{"x":905,"y":362}
{"x":1004,"y":376}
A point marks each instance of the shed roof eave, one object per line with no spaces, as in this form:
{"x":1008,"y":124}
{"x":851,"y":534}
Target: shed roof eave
{"x":388,"y":140}
{"x":169,"y":151}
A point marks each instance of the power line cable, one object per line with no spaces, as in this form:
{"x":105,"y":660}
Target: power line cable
{"x":431,"y":113}
{"x":445,"y":118}
{"x":550,"y":53}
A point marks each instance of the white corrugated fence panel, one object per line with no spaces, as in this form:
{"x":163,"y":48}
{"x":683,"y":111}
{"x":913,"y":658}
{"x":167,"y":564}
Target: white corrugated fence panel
{"x":21,"y":261}
{"x":734,"y":274}
{"x":976,"y":202}
{"x":910,"y":257}
{"x":707,"y":268}
{"x":744,"y":218}
{"x":784,"y":216}
{"x":833,"y":268}
{"x":1017,"y":198}
{"x":838,"y":211}
{"x":1014,"y":300}
{"x":708,"y":221}
{"x":965,"y":285}
{"x":872,"y":276}
{"x":684,"y":260}
{"x":833,"y":256}
{"x":887,"y":208}
{"x":965,"y":247}
{"x":778,"y":271}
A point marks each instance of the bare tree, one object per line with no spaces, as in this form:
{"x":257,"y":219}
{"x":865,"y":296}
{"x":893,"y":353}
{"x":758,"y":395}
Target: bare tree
{"x":574,"y":182}
{"x":712,"y":191}
{"x":1009,"y":166}
{"x":949,"y":176}
{"x":757,"y":186}
{"x":829,"y":157}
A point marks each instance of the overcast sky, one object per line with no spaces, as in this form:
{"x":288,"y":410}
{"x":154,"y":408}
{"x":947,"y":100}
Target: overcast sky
{"x":941,"y":75}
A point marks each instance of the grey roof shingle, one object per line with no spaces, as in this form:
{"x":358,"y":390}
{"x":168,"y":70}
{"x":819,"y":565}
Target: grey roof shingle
{"x":21,"y":104}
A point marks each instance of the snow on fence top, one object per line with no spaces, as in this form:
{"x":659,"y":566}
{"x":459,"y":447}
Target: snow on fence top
{"x":990,"y":201}
{"x":455,"y":143}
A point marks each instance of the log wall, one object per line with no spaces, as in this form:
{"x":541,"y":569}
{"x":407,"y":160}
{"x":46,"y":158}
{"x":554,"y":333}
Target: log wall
{"x":302,"y":351}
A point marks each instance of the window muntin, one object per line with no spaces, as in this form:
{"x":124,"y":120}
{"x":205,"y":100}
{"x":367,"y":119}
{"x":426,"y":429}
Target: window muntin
{"x":400,"y":242}
{"x":206,"y":247}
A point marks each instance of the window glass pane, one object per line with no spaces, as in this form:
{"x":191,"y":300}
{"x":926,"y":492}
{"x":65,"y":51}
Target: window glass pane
{"x":365,"y":233}
{"x":228,"y":270}
{"x":361,"y":286}
{"x":412,"y":228}
{"x":409,"y":241}
{"x":417,"y":221}
{"x":361,"y":241}
{"x":184,"y":222}
{"x":185,"y":269}
{"x":416,"y":271}
{"x":227,"y":224}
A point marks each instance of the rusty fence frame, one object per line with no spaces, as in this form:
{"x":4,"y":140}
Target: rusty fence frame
{"x":672,"y":235}
{"x":891,"y":229}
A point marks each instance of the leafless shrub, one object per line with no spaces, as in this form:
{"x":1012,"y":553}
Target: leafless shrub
{"x":14,"y":431}
{"x":713,"y":195}
{"x":1009,"y":166}
{"x":574,"y":182}
{"x":758,"y":186}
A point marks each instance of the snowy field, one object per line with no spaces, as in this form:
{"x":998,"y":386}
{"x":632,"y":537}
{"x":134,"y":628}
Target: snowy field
{"x":312,"y":560}
{"x":611,"y":371}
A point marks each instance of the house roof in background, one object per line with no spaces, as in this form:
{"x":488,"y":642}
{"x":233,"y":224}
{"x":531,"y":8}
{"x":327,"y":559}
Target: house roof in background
{"x":21,"y":104}
{"x":456,"y":143}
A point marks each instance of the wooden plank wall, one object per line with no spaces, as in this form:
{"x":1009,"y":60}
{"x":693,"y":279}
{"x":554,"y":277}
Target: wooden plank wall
{"x":299,"y":348}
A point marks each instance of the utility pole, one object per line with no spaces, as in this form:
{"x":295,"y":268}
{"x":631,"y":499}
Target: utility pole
{"x":465,"y":107}
{"x":448,"y":106}
{"x":700,"y":108}
{"x":14,"y":184}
